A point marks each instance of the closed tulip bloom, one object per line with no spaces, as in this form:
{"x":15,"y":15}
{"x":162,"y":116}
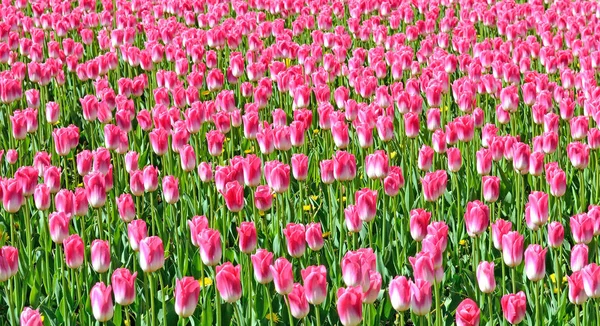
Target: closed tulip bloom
{"x":9,"y":262}
{"x":58,"y":224}
{"x":187,"y":292}
{"x":423,"y":266}
{"x":205,"y":172}
{"x":393,"y":182}
{"x":159,"y":139}
{"x":100,"y":252}
{"x":353,"y":222}
{"x":491,"y":188}
{"x":339,"y":133}
{"x":377,"y":165}
{"x":411,"y":125}
{"x":556,"y":234}
{"x":477,"y":218}
{"x":425,"y":160}
{"x":591,"y":280}
{"x":187,"y":158}
{"x":252,"y":166}
{"x":438,"y":141}
{"x":514,"y":307}
{"x":123,"y":283}
{"x":579,"y":127}
{"x":210,"y":246}
{"x":41,"y":197}
{"x":31,"y":317}
{"x":467,"y":313}
{"x":95,"y":187}
{"x":263,"y":199}
{"x":499,"y":229}
{"x":261,"y":263}
{"x":52,"y":178}
{"x":315,"y":284}
{"x":419,"y":220}
{"x":314,"y":236}
{"x":344,"y":166}
{"x":234,"y":196}
{"x":579,"y":155}
{"x":577,"y":294}
{"x":150,"y":178}
{"x":582,"y":227}
{"x":537,"y":208}
{"x":535,"y":262}
{"x":327,"y":176}
{"x":126,"y":208}
{"x":512,"y":248}
{"x":170,"y":186}
{"x":247,"y":237}
{"x":80,"y":203}
{"x":420,"y":297}
{"x":484,"y":161}
{"x":295,"y":235}
{"x":131,"y":161}
{"x":579,"y":257}
{"x":349,"y":305}
{"x":136,"y":231}
{"x":12,"y":195}
{"x":215,"y":140}
{"x":366,"y":204}
{"x":136,"y":183}
{"x":277,"y":175}
{"x":485,"y":277}
{"x":298,"y":302}
{"x":197,"y":224}
{"x":558,"y":182}
{"x":370,"y":296}
{"x":74,"y":251}
{"x":300,"y":166}
{"x":152,"y":254}
{"x":399,"y":291}
{"x":101,"y":301}
{"x":454,"y":159}
{"x":434,"y":185}
{"x":12,"y":156}
{"x":283,"y":276}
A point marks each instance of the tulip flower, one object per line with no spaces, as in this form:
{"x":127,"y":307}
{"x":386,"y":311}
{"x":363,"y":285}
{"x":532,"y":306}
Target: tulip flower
{"x":349,"y":306}
{"x":187,"y":292}
{"x":101,"y":301}
{"x":123,"y":284}
{"x":100,"y":253}
{"x":74,"y":251}
{"x":152,"y":254}
{"x":467,"y":313}
{"x":31,"y":317}
{"x":514,"y":307}
{"x":298,"y":302}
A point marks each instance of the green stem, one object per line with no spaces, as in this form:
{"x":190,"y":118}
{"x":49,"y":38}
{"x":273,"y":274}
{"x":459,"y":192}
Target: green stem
{"x":438,"y":312}
{"x":100,"y":227}
{"x":152,"y":290}
{"x":164,"y":302}
{"x":537,"y":303}
{"x":514,"y":279}
{"x":291,"y":318}
{"x":577,"y":321}
{"x":490,"y":310}
{"x":270,"y":303}
{"x":318,"y":315}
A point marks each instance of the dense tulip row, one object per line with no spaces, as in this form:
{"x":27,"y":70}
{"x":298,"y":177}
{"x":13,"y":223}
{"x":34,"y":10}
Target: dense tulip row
{"x":313,"y":162}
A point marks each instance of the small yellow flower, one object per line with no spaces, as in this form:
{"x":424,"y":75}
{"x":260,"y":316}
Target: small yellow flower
{"x":393,"y":155}
{"x":462,"y":242}
{"x":42,"y":318}
{"x":228,"y":139}
{"x":288,"y":63}
{"x":80,"y":185}
{"x":206,"y":282}
{"x":126,"y":322}
{"x":316,"y":131}
{"x":204,"y":93}
{"x":306,"y":208}
{"x":326,"y":235}
{"x":553,"y":277}
{"x":314,"y":198}
{"x":344,"y":198}
{"x":272,"y":317}
{"x":274,"y":196}
{"x":261,"y":213}
{"x":248,"y":151}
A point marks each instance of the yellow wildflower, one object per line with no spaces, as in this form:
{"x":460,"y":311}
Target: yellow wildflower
{"x":272,"y":317}
{"x":306,"y":208}
{"x":206,"y":282}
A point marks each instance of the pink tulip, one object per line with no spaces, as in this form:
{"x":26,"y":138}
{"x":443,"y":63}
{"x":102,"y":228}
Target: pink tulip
{"x":315,"y":284}
{"x":159,"y":139}
{"x":420,"y":297}
{"x":31,"y":317}
{"x":577,"y":293}
{"x":247,"y":237}
{"x":95,"y":187}
{"x":298,"y":302}
{"x":484,"y":161}
{"x":262,"y":262}
{"x":499,"y":229}
{"x":300,"y":166}
{"x":263,"y":199}
{"x":537,"y":208}
{"x":512,"y":248}
{"x":295,"y":236}
{"x":136,"y":232}
{"x":100,"y":253}
{"x":376,"y":165}
{"x":579,"y":155}
{"x":277,"y":176}
{"x":425,"y":160}
{"x":152,"y":254}
{"x":477,"y":218}
{"x":591,"y":280}
{"x":170,"y":186}
{"x":370,"y":296}
{"x":9,"y":262}
{"x":353,"y":222}
{"x":12,"y":195}
{"x":74,"y":250}
{"x":535,"y":262}
{"x":556,"y":234}
{"x":327,"y":174}
{"x":423,"y":266}
{"x":582,"y":227}
{"x":434,"y":185}
{"x":400,"y":293}
{"x":41,"y":197}
{"x":349,"y":305}
{"x":283,"y":276}
{"x":150,"y":178}
{"x":454,"y":159}
{"x":187,"y":292}
{"x":101,"y":301}
{"x":123,"y":283}
{"x":579,"y":257}
{"x":210,"y":246}
{"x":419,"y":220}
{"x":314,"y":236}
{"x":366,"y":204}
{"x":126,"y":208}
{"x":485,"y":277}
{"x":344,"y":166}
{"x":234,"y":196}
{"x":514,"y":307}
{"x":491,"y":188}
{"x":467,"y":313}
